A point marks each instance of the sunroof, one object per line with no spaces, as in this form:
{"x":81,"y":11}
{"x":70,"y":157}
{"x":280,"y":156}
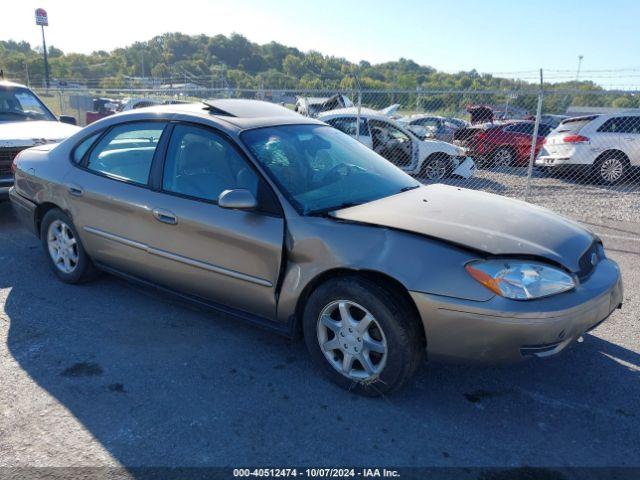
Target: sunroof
{"x":233,"y":107}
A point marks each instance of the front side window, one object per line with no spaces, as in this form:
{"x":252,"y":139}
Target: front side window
{"x":321,"y":169}
{"x":126,"y":151}
{"x":202,"y":164}
{"x":391,"y":142}
{"x":621,"y":125}
{"x":20,"y":104}
{"x":431,"y":123}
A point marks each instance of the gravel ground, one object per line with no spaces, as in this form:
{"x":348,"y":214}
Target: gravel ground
{"x":107,"y":374}
{"x":570,"y":196}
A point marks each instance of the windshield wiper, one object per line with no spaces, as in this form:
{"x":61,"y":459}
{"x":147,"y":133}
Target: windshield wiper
{"x":322,"y":211}
{"x":412,"y":187}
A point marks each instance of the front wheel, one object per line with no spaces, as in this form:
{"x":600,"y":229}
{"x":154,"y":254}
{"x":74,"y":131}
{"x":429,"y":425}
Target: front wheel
{"x":362,"y":336}
{"x":435,"y":168}
{"x":65,"y":254}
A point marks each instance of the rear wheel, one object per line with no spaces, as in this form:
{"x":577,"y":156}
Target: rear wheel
{"x":65,"y":253}
{"x":611,"y":168}
{"x":362,"y":336}
{"x":503,"y":157}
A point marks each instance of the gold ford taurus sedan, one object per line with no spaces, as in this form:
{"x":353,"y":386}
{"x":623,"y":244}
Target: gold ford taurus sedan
{"x":283,"y":221}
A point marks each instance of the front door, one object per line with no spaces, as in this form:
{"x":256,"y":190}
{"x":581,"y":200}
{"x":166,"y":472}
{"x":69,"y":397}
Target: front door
{"x":231,"y":257}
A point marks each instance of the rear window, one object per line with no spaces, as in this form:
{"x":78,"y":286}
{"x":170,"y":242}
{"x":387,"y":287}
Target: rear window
{"x":573,"y":125}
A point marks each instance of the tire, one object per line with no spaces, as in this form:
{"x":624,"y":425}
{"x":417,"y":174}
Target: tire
{"x":610,"y":169}
{"x":503,"y":157}
{"x":73,"y":265}
{"x":394,"y":331}
{"x":435,"y":168}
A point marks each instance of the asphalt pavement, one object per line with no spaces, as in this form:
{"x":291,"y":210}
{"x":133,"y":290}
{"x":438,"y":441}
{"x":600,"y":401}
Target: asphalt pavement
{"x":111,"y":374}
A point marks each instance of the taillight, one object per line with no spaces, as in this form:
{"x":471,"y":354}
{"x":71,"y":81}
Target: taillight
{"x":575,"y":139}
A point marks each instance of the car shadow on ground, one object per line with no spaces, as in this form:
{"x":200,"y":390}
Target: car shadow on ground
{"x":160,"y":384}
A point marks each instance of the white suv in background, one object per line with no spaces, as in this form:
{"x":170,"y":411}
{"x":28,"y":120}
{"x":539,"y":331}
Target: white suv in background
{"x":607,"y":146}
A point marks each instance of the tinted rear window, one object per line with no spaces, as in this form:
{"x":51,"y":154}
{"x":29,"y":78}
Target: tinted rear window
{"x":573,"y":125}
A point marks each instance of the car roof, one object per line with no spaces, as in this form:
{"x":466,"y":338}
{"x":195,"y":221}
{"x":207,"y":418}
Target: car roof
{"x":349,"y":111}
{"x":239,"y":113}
{"x":8,"y":84}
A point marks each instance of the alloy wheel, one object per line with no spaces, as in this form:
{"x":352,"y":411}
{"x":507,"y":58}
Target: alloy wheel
{"x":435,"y":169}
{"x":611,"y":170}
{"x":63,"y":246}
{"x":352,"y":340}
{"x":503,"y":158}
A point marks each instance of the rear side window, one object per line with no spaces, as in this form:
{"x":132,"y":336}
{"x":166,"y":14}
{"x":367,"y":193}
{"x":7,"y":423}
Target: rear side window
{"x":621,"y":125}
{"x":83,"y":147}
{"x":126,"y":151}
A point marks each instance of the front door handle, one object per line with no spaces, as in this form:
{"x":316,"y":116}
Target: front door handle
{"x":165,"y":216}
{"x":75,"y":190}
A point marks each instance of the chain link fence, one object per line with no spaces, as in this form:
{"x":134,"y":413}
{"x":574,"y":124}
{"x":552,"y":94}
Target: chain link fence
{"x":582,"y":161}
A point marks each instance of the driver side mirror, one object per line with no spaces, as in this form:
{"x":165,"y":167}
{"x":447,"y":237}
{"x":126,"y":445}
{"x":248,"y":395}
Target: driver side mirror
{"x":238,"y":199}
{"x":68,"y":119}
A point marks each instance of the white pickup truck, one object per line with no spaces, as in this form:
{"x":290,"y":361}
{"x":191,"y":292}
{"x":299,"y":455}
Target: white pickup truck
{"x":25,"y":121}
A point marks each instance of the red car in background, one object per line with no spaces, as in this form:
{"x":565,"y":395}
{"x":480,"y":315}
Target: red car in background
{"x":504,"y":144}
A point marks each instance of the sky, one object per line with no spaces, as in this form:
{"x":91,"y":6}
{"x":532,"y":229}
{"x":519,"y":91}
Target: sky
{"x":510,"y":38}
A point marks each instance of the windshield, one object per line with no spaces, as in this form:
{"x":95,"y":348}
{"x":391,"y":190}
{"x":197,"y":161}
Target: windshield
{"x":321,"y":169}
{"x":20,"y":104}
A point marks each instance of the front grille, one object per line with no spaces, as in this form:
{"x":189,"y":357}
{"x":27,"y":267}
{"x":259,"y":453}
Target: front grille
{"x":589,"y":260}
{"x":6,"y":159}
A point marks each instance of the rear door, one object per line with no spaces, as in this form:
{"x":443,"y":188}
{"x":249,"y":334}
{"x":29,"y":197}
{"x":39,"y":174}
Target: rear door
{"x":108,"y":193}
{"x":231,"y":257}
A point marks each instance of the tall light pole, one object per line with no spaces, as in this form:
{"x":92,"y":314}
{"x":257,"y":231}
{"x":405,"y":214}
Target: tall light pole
{"x":43,"y":20}
{"x":580,"y":57}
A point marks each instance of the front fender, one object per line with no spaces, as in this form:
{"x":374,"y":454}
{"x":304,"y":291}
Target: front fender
{"x":315,"y":246}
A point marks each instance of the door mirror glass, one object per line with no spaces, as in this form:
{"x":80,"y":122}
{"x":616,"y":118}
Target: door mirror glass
{"x":239,"y":199}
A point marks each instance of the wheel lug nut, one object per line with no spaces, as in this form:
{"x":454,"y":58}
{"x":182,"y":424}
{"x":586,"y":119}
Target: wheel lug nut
{"x":342,"y":334}
{"x":359,"y":339}
{"x":350,"y":330}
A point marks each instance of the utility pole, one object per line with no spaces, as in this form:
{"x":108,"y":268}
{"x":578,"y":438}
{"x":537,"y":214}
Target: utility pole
{"x":26,"y":74}
{"x":43,"y":20}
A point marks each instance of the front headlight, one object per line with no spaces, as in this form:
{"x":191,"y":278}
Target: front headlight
{"x":520,"y":279}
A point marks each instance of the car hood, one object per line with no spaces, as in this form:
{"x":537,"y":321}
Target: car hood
{"x":30,"y":133}
{"x":482,"y":221}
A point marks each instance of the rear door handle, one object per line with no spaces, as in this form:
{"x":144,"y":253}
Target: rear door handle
{"x":165,"y":216}
{"x":75,"y":190}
